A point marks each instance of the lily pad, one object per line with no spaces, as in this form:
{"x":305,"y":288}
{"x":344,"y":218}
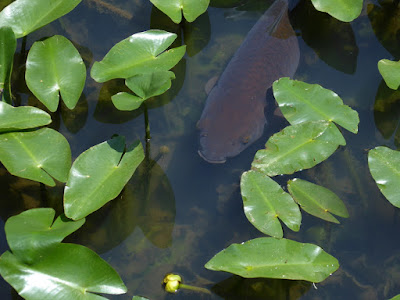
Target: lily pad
{"x":265,"y":202}
{"x":99,"y":174}
{"x":275,"y":258}
{"x":191,"y":9}
{"x":140,"y":53}
{"x":343,"y":10}
{"x":8,"y":44}
{"x":301,"y":102}
{"x":317,"y":200}
{"x":390,"y":71}
{"x":32,"y":230}
{"x":54,"y":67}
{"x":25,"y":16}
{"x":384,"y":165}
{"x":298,"y":147}
{"x":145,"y":86}
{"x":22,"y":117}
{"x":64,"y":271}
{"x":39,"y":155}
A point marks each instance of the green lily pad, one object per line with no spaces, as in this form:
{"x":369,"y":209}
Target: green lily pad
{"x":317,"y":200}
{"x":39,"y":155}
{"x":145,"y":86}
{"x":22,"y":117}
{"x":343,"y":10}
{"x":64,"y":271}
{"x":275,"y":258}
{"x":8,"y":44}
{"x":191,"y":9}
{"x":32,"y":230}
{"x":265,"y":202}
{"x":99,"y":174}
{"x":25,"y":16}
{"x":298,"y":147}
{"x":384,"y":165}
{"x":54,"y":67}
{"x":390,"y":71}
{"x":301,"y":102}
{"x":397,"y":297}
{"x":140,"y":53}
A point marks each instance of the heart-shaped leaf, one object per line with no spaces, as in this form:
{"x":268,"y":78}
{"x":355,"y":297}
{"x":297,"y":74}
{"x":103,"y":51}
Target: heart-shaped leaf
{"x":22,"y":117}
{"x":275,"y":258}
{"x":191,"y":9}
{"x":99,"y":174}
{"x":32,"y":230}
{"x":8,"y":44}
{"x":390,"y":71}
{"x":25,"y":16}
{"x":265,"y":202}
{"x":384,"y":165}
{"x":54,"y":67}
{"x":317,"y":200}
{"x":39,"y":155}
{"x":298,"y":147}
{"x":64,"y":271}
{"x":343,"y":10}
{"x":140,"y":53}
{"x":301,"y":102}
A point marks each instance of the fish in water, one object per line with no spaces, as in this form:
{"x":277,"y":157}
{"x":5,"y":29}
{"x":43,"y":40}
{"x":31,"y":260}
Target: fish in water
{"x":233,"y":117}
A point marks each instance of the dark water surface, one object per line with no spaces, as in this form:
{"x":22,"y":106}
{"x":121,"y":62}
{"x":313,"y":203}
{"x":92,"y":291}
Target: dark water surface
{"x":178,"y":210}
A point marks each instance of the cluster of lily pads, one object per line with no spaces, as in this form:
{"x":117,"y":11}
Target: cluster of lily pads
{"x":40,"y":266}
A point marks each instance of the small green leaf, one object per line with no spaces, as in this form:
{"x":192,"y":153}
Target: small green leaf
{"x":22,"y":117}
{"x":140,"y":53}
{"x":384,"y":165}
{"x":317,"y":200}
{"x":298,"y":147}
{"x":126,"y":101}
{"x":191,"y":9}
{"x":139,"y":298}
{"x":390,"y":71}
{"x":8,"y":44}
{"x":99,"y":174}
{"x":275,"y":258}
{"x":32,"y":230}
{"x":25,"y":16}
{"x":343,"y":10}
{"x":150,"y":84}
{"x":64,"y":271}
{"x":54,"y":67}
{"x":264,"y":202}
{"x":397,"y":297}
{"x":301,"y":102}
{"x":37,"y":155}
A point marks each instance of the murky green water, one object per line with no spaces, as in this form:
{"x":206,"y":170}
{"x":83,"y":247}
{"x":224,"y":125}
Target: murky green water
{"x":178,"y":210}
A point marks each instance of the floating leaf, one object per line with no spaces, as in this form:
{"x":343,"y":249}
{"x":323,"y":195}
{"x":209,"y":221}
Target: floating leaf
{"x":8,"y":44}
{"x":139,"y":298}
{"x":397,"y":297}
{"x":145,"y":86}
{"x":54,"y":67}
{"x":301,"y":102}
{"x":384,"y":165}
{"x":343,"y":10}
{"x":390,"y":71}
{"x":64,"y":271}
{"x":126,"y":101}
{"x":99,"y":174}
{"x":317,"y":200}
{"x":275,"y":258}
{"x":140,"y":53}
{"x":22,"y":117}
{"x":298,"y":147}
{"x":25,"y":16}
{"x":264,"y":202}
{"x":191,"y":9}
{"x":32,"y":230}
{"x":37,"y":155}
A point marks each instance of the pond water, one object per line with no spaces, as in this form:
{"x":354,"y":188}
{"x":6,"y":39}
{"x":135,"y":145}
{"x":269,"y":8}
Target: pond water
{"x":178,"y":210}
